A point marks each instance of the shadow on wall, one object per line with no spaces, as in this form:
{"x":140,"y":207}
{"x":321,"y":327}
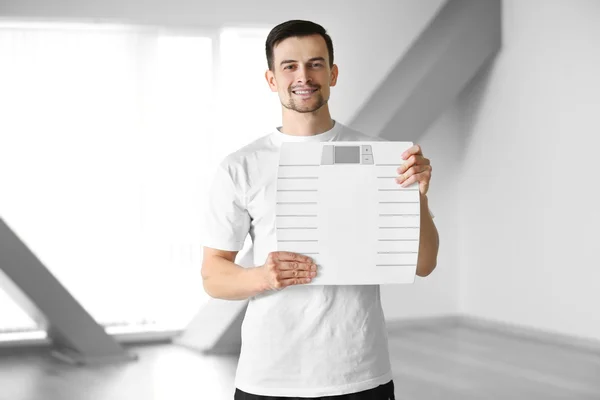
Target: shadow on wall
{"x":469,"y":105}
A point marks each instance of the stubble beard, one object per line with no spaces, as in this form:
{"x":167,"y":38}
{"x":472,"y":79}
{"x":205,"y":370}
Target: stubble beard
{"x":292,"y":105}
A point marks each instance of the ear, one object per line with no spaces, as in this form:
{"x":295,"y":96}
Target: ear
{"x":270,"y":77}
{"x":334,"y":75}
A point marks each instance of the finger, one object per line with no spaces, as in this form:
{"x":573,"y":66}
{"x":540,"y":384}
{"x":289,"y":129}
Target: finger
{"x":422,"y":160}
{"x":416,"y":149}
{"x":413,"y":160}
{"x":296,"y":265}
{"x":421,"y":177}
{"x":417,"y":169}
{"x":407,"y":164}
{"x":289,"y":274}
{"x":293,"y":281}
{"x":289,"y":256}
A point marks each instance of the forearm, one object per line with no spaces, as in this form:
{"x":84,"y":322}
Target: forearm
{"x":428,"y":241}
{"x":226,"y":280}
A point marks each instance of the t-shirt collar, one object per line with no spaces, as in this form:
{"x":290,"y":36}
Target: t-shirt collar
{"x":280,"y":137}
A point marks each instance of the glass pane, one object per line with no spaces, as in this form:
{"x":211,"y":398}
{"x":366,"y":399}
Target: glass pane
{"x":12,"y":318}
{"x":243,"y":90}
{"x":104,"y":161}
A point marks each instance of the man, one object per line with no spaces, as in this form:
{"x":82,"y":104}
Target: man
{"x":298,"y":340}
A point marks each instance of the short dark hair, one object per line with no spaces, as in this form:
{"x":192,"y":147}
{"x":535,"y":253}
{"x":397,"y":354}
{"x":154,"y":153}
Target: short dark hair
{"x":294,"y":28}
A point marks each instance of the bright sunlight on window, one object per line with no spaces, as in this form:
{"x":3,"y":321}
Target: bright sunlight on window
{"x":110,"y":136}
{"x":104,"y":163}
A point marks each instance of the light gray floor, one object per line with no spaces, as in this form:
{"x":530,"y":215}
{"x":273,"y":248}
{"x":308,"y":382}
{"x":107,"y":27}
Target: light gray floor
{"x":428,"y":363}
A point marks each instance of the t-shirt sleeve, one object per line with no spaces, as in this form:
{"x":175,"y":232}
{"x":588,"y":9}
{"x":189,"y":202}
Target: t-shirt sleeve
{"x":226,"y":219}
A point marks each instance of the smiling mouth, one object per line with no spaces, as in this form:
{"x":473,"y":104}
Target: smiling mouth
{"x":303,"y":92}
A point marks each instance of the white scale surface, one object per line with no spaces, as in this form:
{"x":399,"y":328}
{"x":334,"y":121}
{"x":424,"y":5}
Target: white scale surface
{"x":339,"y":203}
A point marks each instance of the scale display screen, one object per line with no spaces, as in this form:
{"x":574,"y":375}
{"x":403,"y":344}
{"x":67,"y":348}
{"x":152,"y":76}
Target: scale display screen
{"x":347,"y":155}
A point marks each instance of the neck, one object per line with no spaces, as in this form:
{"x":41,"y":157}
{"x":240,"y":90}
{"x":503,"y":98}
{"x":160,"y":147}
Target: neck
{"x":306,"y":124}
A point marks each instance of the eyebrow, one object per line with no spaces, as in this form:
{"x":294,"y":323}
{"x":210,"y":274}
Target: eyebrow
{"x":293,"y":61}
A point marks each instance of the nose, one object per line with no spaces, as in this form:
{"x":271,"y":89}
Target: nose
{"x":303,"y":77}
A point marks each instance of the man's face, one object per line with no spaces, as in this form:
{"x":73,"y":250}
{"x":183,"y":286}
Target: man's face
{"x":301,"y":74}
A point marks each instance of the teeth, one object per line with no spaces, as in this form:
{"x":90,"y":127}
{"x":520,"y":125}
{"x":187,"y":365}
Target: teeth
{"x":303,"y":91}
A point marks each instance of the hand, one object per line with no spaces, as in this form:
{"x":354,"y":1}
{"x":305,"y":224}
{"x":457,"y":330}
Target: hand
{"x":416,"y":169}
{"x":283,"y":269}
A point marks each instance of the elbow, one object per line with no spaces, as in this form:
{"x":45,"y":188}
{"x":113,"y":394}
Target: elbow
{"x":208,"y":290}
{"x":428,"y":259}
{"x":206,"y":280}
{"x":205,"y":271}
{"x":423,"y":271}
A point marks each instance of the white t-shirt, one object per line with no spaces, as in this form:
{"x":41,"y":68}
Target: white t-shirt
{"x":304,"y":340}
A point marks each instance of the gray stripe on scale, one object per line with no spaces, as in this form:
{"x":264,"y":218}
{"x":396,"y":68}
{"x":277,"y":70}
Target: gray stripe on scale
{"x":292,"y":215}
{"x":297,"y":240}
{"x":297,"y":202}
{"x":398,"y":240}
{"x":398,"y":227}
{"x":398,"y":202}
{"x":398,"y":215}
{"x":297,"y":177}
{"x":397,"y":252}
{"x":297,"y":227}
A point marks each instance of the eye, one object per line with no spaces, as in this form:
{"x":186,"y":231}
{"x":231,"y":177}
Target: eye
{"x":317,"y":65}
{"x":288,"y":67}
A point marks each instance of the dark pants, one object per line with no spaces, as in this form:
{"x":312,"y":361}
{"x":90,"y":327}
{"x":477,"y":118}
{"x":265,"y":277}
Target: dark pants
{"x":381,"y":392}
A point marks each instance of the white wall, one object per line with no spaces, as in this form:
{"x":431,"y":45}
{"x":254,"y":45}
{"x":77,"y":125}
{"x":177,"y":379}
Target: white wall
{"x":528,"y":206}
{"x":437,"y":294}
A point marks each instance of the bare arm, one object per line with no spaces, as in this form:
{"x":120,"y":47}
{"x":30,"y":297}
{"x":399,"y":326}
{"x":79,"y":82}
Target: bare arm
{"x":224,"y":279}
{"x":429,"y":241}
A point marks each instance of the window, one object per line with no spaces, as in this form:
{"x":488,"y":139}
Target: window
{"x":243,"y":90}
{"x":109,"y":135}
